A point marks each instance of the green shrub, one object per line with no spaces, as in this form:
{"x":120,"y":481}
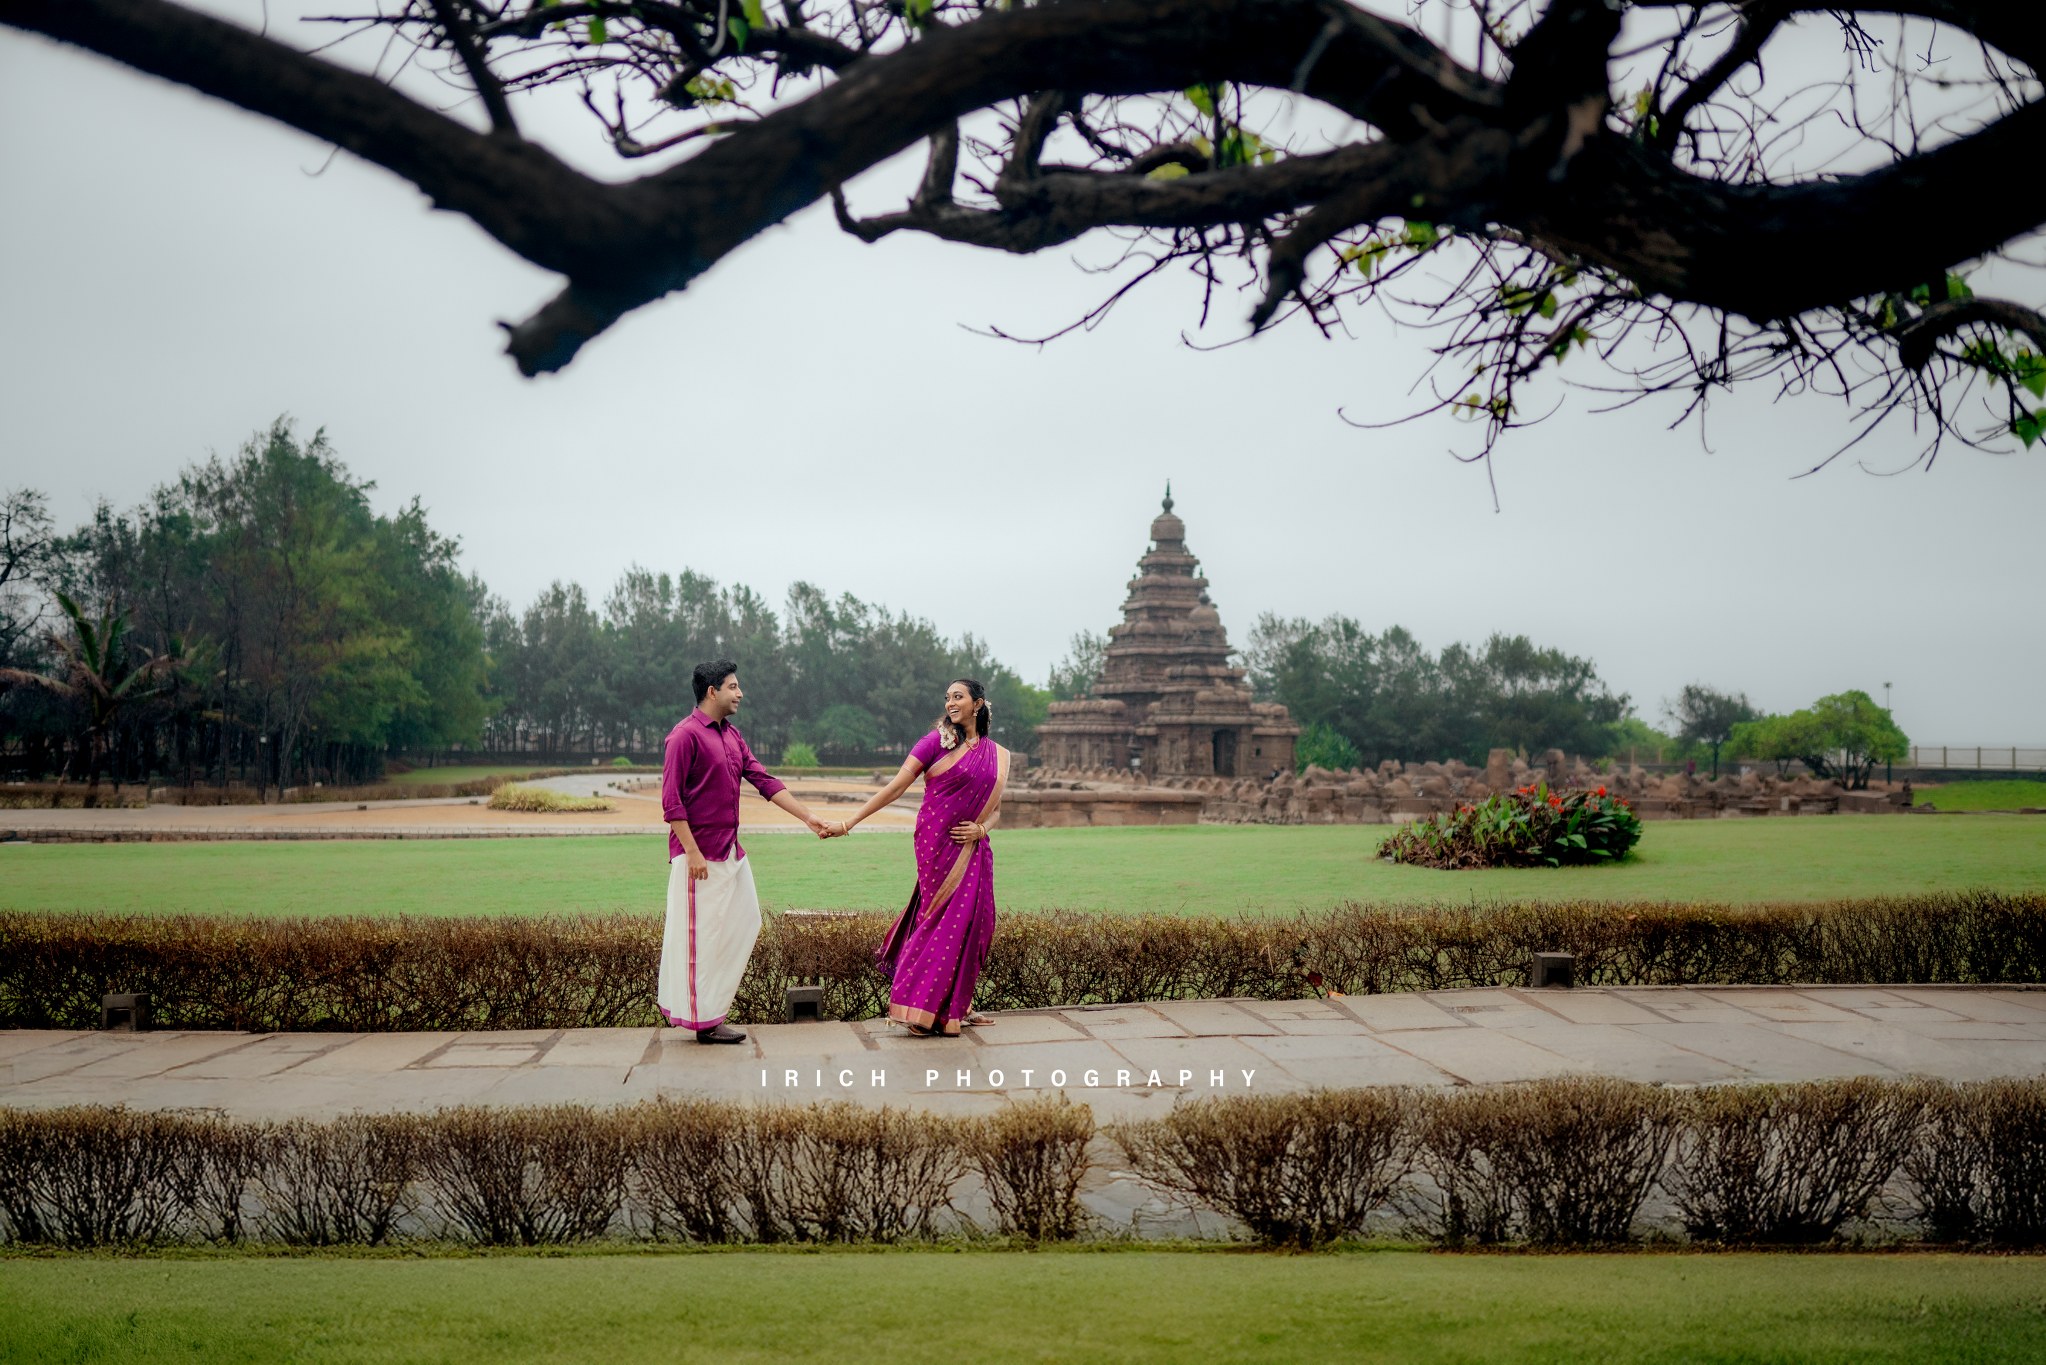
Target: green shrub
{"x":1321,"y":745}
{"x":1531,"y":827}
{"x":797,"y":754}
{"x":621,"y":761}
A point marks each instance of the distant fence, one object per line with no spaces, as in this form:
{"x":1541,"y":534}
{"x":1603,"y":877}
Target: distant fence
{"x":1986,"y":758}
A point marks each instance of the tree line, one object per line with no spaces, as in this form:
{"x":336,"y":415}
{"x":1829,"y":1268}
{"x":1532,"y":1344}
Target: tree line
{"x":256,"y":621}
{"x":1361,"y":698}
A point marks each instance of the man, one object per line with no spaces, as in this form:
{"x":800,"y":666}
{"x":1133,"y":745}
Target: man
{"x":713,"y":911}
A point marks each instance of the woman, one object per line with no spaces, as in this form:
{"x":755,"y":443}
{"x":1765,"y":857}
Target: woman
{"x":936,"y":949}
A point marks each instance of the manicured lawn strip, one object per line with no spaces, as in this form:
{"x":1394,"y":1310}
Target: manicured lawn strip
{"x":1003,"y":1306}
{"x":1200,"y":870}
{"x":2004,"y":794}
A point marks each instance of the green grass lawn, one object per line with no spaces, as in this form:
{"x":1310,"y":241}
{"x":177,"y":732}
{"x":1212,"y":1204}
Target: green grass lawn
{"x":2006,"y":794}
{"x":1200,"y":869}
{"x":988,"y":1308}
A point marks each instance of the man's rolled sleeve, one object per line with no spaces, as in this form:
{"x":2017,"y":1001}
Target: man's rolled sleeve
{"x":764,"y":782}
{"x":674,"y":758}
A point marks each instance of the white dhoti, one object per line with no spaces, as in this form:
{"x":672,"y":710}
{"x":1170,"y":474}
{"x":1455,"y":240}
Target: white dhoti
{"x":712,"y":925}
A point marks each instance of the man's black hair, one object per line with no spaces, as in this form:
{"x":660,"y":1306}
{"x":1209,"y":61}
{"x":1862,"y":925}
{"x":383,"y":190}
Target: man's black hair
{"x":712,"y":675}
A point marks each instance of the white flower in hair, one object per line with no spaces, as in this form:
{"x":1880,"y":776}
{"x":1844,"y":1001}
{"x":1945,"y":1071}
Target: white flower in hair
{"x":948,"y":733}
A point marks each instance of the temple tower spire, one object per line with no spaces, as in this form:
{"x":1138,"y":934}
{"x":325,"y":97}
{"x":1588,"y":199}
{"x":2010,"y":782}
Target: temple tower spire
{"x":1168,"y":701}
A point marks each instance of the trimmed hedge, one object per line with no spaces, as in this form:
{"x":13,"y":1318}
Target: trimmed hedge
{"x":373,"y":974}
{"x":1561,"y":1162}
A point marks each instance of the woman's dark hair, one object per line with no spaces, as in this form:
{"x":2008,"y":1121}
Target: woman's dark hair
{"x":982,"y":716}
{"x":712,"y":675}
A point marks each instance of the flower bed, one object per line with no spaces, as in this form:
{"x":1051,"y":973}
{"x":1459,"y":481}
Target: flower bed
{"x":1531,"y":827}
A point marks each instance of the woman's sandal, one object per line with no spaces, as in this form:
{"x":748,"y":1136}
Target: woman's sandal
{"x":975,"y":1019}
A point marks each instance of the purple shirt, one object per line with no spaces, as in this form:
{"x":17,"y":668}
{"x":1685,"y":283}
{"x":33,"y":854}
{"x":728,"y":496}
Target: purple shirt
{"x":700,"y":773}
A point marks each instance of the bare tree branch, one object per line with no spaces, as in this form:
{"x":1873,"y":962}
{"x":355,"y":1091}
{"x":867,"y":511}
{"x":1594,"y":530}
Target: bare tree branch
{"x":463,"y":35}
{"x":1759,"y":22}
{"x":1917,"y":338}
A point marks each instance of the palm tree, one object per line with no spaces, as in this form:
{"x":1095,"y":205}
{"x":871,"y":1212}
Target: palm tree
{"x":94,"y":669}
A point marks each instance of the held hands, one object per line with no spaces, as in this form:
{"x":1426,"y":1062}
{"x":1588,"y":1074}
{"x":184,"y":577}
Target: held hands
{"x":968,"y":832}
{"x":830,"y":829}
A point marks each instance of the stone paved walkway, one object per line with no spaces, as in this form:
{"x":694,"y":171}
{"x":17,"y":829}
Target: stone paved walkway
{"x":1125,"y":1060}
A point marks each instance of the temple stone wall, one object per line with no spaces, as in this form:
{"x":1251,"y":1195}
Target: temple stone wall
{"x":1395,"y":792}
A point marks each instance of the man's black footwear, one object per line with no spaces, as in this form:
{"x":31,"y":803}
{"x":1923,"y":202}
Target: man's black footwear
{"x":723,"y":1033}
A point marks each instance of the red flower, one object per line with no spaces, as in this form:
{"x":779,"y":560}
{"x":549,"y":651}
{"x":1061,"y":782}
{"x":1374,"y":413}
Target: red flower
{"x":1601,"y":791}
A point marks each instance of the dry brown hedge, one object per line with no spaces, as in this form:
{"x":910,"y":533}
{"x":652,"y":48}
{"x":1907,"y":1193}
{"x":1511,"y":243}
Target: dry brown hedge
{"x":369,"y":974}
{"x":1570,"y":1161}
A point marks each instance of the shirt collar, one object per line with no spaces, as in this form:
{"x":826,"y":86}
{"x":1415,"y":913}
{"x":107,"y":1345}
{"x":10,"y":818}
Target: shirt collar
{"x":696,"y":714}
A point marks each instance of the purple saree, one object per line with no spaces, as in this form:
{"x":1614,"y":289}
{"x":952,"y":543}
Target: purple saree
{"x":935,"y":951}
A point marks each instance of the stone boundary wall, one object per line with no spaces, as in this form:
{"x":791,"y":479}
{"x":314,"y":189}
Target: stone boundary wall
{"x":1396,"y":792}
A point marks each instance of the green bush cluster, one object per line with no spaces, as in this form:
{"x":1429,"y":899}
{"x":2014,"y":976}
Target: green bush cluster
{"x":368,"y":974}
{"x":1565,"y":1162}
{"x":1530,"y":827}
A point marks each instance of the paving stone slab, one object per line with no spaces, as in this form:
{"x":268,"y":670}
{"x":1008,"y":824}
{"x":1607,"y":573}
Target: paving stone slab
{"x":1673,"y":1035}
{"x":1482,"y":1056}
{"x":1028,"y":1028}
{"x":1989,"y":1006}
{"x":373,"y":1054}
{"x":152,"y":1054}
{"x":1685,"y":1004}
{"x":1397,"y":1013}
{"x":484,"y":1054}
{"x":1788,"y":1007}
{"x":611,"y":1047}
{"x":1764,"y":1054}
{"x":15,"y":1042}
{"x":1969,"y":1030}
{"x":266,"y":1055}
{"x":805,"y":1040}
{"x":1125,"y":1022}
{"x":1213,"y":1018}
{"x":1899,"y":1050}
{"x":1199,"y":1056}
{"x":1621,"y":1050}
{"x":1588,"y":1007}
{"x":1491,"y":1008}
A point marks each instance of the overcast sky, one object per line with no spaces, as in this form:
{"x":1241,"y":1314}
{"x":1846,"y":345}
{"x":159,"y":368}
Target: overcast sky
{"x":174,"y":276}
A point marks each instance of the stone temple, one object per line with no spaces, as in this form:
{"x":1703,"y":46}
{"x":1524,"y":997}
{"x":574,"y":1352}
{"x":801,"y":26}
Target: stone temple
{"x":1167,"y":703}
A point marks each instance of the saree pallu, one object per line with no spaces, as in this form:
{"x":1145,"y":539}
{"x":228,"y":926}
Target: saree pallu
{"x":934,"y":953}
